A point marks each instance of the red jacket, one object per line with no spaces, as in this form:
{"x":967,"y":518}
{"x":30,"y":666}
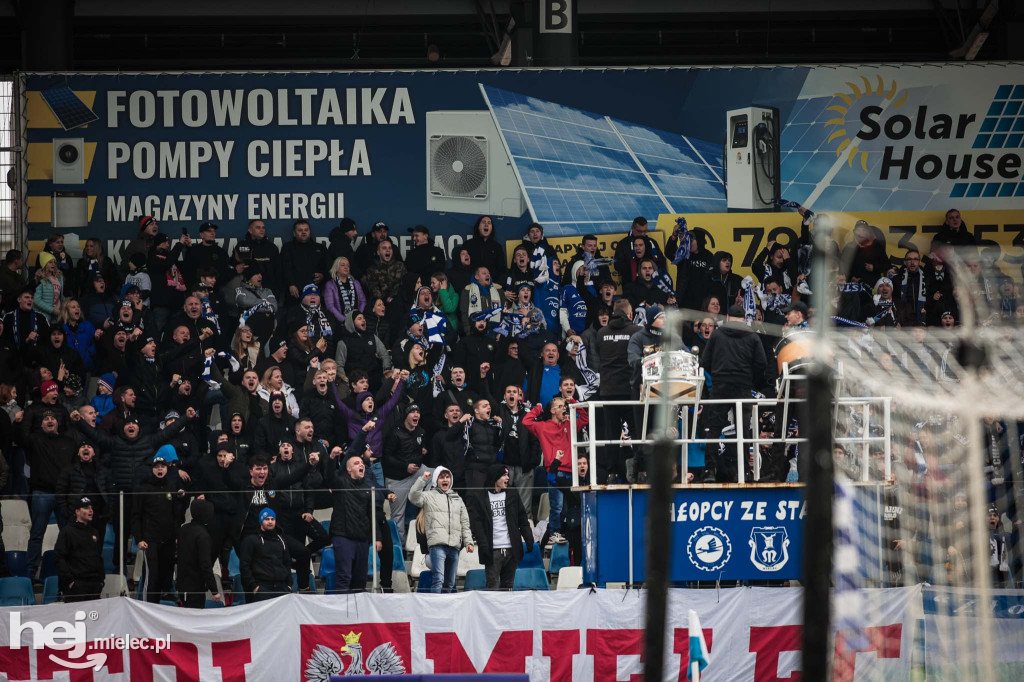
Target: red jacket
{"x":554,"y":436}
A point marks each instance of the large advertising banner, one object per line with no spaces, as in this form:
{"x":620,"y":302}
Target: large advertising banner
{"x":577,"y":150}
{"x":753,"y":634}
{"x":1000,"y":234}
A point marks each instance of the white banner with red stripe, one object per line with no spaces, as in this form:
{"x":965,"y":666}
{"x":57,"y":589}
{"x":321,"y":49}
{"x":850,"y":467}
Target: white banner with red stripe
{"x":754,"y":634}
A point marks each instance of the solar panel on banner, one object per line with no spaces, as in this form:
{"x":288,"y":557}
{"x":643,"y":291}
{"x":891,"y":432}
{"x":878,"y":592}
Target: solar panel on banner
{"x":584,"y":172}
{"x":70,"y":111}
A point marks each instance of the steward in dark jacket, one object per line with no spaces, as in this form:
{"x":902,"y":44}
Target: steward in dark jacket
{"x":264,"y":561}
{"x":195,"y":567}
{"x":79,"y":555}
{"x":483,"y":507}
{"x":157,"y":512}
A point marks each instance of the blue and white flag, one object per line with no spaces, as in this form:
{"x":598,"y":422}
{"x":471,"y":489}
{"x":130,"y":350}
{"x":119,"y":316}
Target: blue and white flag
{"x":848,"y":600}
{"x":683,"y":236}
{"x":699,"y":656}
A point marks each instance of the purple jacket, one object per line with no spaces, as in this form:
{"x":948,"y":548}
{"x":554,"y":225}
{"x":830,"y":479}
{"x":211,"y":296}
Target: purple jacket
{"x":356,"y":418}
{"x":332,"y":299}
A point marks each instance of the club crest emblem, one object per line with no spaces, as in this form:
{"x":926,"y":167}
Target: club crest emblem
{"x":709,"y":549}
{"x":769,"y":547}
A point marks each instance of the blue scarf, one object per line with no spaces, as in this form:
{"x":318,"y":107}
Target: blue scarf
{"x":253,"y":310}
{"x":683,"y":247}
{"x":749,"y":302}
{"x":593,"y":265}
{"x":663,"y":282}
{"x":576,"y":307}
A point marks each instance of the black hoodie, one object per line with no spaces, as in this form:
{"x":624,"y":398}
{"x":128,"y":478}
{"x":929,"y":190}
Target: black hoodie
{"x":724,"y":287}
{"x":489,"y":252}
{"x":734,"y":356}
{"x":195,"y":568}
{"x":481,"y":518}
{"x":613,"y":352}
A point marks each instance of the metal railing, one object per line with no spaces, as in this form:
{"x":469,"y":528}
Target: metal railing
{"x":741,"y":440}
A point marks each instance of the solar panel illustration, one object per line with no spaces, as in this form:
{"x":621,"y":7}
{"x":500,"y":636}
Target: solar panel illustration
{"x":71,"y":112}
{"x":584,"y":172}
{"x":813,"y":133}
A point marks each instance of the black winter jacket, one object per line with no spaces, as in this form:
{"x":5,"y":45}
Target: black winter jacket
{"x":734,"y":356}
{"x":87,"y":479}
{"x":157,"y":509}
{"x":264,"y":560}
{"x":481,"y":521}
{"x":79,"y":554}
{"x":271,"y":432}
{"x":613,"y":352}
{"x":519,"y":447}
{"x":328,"y":422}
{"x":124,"y":456}
{"x":253,"y":499}
{"x":195,"y":567}
{"x":48,"y":455}
{"x":351,"y":516}
{"x":402,"y":448}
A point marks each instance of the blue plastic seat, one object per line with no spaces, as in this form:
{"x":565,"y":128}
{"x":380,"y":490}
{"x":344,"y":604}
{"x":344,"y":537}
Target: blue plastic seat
{"x":233,"y":566}
{"x":371,"y":559}
{"x":476,"y":579}
{"x":16,"y":592}
{"x":168,"y":602}
{"x":327,"y":562}
{"x":531,"y":579}
{"x":532,"y":559}
{"x":395,"y":537}
{"x":210,"y":604}
{"x":236,"y":587}
{"x":399,"y":559}
{"x":425,"y":582}
{"x":51,"y":589}
{"x":108,"y":560}
{"x":108,"y":536}
{"x":559,"y":558}
{"x":17,"y":563}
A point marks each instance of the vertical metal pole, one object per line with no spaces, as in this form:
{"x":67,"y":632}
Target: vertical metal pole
{"x":122,"y":535}
{"x":865,"y":448}
{"x":684,"y":457}
{"x":573,"y":443}
{"x":888,"y":438}
{"x":659,"y":522}
{"x":593,"y":445}
{"x":629,"y":498}
{"x":816,"y":422}
{"x":756,"y":435}
{"x":740,"y":463}
{"x":373,"y":535}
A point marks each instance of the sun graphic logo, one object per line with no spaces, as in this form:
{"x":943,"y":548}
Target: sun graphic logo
{"x":876,"y":96}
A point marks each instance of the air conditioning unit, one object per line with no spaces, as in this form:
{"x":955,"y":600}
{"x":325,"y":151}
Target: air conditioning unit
{"x":468,"y":170}
{"x":68,"y":161}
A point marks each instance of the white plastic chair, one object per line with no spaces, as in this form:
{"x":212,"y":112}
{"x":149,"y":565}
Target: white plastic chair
{"x":50,"y":539}
{"x":16,"y":538}
{"x":410,"y":538}
{"x":544,"y":507}
{"x":418,"y":564}
{"x":15,"y":513}
{"x":468,"y":561}
{"x":570,"y":577}
{"x":114,"y":586}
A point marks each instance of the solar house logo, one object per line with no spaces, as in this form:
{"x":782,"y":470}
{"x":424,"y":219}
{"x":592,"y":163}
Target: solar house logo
{"x":877,"y":98}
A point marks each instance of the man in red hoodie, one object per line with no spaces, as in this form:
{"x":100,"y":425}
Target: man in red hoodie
{"x":553,"y":434}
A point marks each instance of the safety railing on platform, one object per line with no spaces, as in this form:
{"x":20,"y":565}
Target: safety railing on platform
{"x":744,"y":442}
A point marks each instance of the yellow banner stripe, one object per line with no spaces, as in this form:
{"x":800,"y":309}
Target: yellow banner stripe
{"x":40,"y":159}
{"x":38,"y":111}
{"x":39,"y":209}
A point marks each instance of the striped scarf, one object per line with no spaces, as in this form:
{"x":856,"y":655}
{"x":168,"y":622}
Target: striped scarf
{"x":208,"y":363}
{"x":347,"y":295}
{"x":749,"y":301}
{"x":592,"y":381}
{"x":262,"y":305}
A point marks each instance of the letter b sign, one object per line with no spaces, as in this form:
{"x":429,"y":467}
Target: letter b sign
{"x":556,"y":16}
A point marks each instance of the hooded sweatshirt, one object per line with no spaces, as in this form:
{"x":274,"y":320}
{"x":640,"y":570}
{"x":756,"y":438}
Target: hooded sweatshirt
{"x":195,"y":569}
{"x":357,"y":418}
{"x":445,"y":517}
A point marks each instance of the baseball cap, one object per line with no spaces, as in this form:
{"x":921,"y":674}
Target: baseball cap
{"x":798,"y":306}
{"x":145,"y":220}
{"x":82,"y":503}
{"x":422,"y":229}
{"x":207,"y":226}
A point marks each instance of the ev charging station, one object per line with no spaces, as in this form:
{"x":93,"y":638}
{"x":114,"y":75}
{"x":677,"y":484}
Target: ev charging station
{"x":752,"y":158}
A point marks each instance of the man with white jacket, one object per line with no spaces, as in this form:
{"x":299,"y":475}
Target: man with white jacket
{"x":446,"y":523}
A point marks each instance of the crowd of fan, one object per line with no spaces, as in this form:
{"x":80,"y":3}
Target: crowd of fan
{"x":440,"y":382}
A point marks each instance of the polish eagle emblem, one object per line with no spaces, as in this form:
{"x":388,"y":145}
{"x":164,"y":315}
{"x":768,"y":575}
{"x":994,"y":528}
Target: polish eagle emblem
{"x":324,"y":662}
